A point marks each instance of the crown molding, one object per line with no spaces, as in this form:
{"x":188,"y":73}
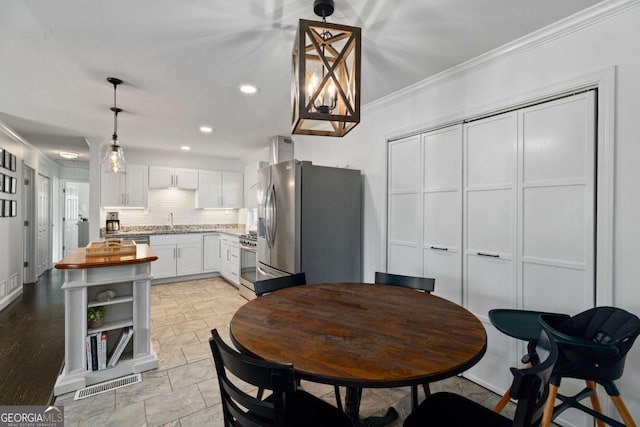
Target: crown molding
{"x":19,"y":139}
{"x":561,"y":28}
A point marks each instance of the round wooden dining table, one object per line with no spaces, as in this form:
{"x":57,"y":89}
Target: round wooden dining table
{"x":360,"y":335}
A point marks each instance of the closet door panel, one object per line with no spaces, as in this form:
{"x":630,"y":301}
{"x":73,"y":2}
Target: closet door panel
{"x":555,"y":144}
{"x":404,"y":260}
{"x":492,"y":284}
{"x":442,"y":219}
{"x":404,"y":226}
{"x":490,"y":150}
{"x":489,"y":221}
{"x":491,"y":371}
{"x":442,"y":211}
{"x":564,"y":284}
{"x":404,"y":165}
{"x":554,"y":224}
{"x":444,"y":266}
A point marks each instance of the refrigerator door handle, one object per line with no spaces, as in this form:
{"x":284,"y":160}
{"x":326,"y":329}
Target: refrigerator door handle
{"x":269,"y":212}
{"x":274,"y":217}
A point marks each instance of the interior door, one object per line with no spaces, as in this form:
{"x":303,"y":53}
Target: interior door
{"x":489,"y":209}
{"x":556,"y":206}
{"x":442,"y":211}
{"x":44,"y":225}
{"x":70,"y":219}
{"x":404,"y":227}
{"x":29,"y":257}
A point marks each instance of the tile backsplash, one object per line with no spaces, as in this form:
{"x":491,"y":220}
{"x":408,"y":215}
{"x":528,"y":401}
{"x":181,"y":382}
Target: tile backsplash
{"x":179,"y":202}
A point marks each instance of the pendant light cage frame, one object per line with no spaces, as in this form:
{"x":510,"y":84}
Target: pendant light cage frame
{"x":326,"y":59}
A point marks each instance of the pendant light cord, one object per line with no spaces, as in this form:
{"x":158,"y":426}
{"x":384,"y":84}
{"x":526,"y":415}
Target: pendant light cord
{"x":115,"y":113}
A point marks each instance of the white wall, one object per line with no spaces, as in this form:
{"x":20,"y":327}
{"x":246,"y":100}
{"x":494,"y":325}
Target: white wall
{"x":566,"y":51}
{"x":12,"y":242}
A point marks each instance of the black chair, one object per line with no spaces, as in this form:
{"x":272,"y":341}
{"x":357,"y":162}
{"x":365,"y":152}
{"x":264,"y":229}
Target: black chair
{"x":593,"y":346}
{"x":529,"y":387}
{"x":286,"y":406}
{"x":269,"y":285}
{"x":424,"y":284}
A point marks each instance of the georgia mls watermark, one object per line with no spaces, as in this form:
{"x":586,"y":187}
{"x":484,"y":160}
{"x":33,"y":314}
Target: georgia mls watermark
{"x":31,"y":416}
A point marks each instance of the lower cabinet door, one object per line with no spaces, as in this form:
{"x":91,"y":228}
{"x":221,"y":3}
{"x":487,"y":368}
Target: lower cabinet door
{"x":165,"y":265}
{"x":189,"y":256}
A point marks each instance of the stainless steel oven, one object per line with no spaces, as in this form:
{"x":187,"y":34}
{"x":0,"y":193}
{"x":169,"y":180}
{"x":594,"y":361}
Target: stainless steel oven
{"x":247,"y":266}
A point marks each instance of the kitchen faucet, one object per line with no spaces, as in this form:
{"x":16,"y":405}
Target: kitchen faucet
{"x":171,"y":219}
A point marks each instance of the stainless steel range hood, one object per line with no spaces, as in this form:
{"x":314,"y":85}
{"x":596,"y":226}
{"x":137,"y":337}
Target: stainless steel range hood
{"x":281,"y":149}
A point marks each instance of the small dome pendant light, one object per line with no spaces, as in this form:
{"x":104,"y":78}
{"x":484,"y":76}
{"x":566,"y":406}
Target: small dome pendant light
{"x":113,"y":161}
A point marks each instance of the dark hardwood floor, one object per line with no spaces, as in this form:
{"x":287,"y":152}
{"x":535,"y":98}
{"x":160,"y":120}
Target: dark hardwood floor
{"x":32,"y":342}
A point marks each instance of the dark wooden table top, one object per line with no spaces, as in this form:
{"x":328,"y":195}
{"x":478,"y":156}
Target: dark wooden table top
{"x":360,"y":335}
{"x":78,"y":259}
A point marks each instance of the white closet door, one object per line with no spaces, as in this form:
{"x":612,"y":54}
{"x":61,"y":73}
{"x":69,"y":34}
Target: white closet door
{"x":403,"y":255}
{"x":557,"y":202}
{"x":442,"y":211}
{"x":490,"y":165}
{"x":556,"y":179}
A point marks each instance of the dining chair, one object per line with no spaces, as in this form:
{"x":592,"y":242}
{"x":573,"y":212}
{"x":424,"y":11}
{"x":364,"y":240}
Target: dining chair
{"x":269,"y":285}
{"x":424,"y":284}
{"x":593,"y":346}
{"x":285,"y":406}
{"x":529,"y":387}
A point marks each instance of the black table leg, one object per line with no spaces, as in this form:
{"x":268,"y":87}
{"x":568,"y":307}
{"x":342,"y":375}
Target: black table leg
{"x":353,"y":397}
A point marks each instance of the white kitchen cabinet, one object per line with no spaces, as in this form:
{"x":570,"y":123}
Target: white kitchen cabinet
{"x":230,"y":263}
{"x":166,"y":177}
{"x":178,"y":255}
{"x":125,"y":190}
{"x":218,"y":189}
{"x":211,"y":250}
{"x":251,"y":184}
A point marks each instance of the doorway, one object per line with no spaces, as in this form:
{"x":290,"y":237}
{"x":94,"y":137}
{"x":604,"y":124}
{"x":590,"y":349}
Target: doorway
{"x":75,"y":215}
{"x":28,"y":235}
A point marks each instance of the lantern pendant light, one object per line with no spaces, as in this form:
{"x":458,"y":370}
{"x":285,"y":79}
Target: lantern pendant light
{"x":325,"y":87}
{"x":113,"y":161}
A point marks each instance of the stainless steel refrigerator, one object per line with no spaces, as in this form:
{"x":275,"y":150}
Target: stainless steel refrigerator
{"x":309,"y":220}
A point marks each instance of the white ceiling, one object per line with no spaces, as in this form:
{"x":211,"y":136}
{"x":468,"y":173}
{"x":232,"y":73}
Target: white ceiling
{"x":183,"y":61}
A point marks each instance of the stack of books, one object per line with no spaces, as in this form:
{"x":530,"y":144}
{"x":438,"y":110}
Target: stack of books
{"x":97,"y":358}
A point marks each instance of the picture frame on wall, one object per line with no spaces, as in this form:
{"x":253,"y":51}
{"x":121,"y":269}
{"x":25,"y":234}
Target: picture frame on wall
{"x":1,"y":157}
{"x":6,"y":208}
{"x":6,"y":159}
{"x":1,"y":208}
{"x":14,"y":208}
{"x":1,"y":183}
{"x":6,"y":183}
{"x":14,"y":185}
{"x":12,"y":162}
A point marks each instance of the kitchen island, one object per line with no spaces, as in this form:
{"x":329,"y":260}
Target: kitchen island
{"x":120,"y":284}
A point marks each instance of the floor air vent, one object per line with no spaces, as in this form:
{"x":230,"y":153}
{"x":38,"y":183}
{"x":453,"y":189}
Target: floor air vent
{"x":107,"y":386}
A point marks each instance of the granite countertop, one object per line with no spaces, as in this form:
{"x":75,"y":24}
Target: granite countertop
{"x":233,"y":229}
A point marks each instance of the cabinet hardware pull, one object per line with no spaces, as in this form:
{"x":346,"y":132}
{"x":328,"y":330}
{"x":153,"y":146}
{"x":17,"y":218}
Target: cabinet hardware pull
{"x":489,"y":255}
{"x":439,"y":249}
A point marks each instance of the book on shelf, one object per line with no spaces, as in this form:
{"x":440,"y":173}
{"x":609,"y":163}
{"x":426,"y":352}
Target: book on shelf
{"x":121,"y":343}
{"x":102,"y":350}
{"x":94,"y":352}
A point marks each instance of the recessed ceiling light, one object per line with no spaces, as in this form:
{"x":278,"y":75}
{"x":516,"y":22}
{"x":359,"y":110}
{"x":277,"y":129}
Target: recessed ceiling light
{"x":206,"y":129}
{"x":68,"y":155}
{"x":185,"y":148}
{"x":248,"y":89}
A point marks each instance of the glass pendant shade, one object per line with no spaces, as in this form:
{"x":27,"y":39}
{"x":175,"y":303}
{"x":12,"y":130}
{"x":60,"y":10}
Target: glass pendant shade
{"x":325,"y":86}
{"x":113,"y":161}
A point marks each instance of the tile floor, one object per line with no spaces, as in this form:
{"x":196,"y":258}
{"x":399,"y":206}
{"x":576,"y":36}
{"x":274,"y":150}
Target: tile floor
{"x":183,"y":391}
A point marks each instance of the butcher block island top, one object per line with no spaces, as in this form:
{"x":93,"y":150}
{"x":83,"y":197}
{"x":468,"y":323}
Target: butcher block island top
{"x":78,"y":258}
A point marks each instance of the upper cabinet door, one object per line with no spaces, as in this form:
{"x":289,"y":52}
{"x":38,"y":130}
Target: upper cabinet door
{"x":137,"y":187}
{"x":112,"y":189}
{"x":232,"y":196}
{"x":166,"y":177}
{"x":209,"y":194}
{"x":160,"y":177}
{"x":185,"y":179}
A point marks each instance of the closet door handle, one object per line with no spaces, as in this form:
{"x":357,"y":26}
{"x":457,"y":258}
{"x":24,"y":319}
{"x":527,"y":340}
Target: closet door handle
{"x":439,"y":249}
{"x":489,"y":255}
